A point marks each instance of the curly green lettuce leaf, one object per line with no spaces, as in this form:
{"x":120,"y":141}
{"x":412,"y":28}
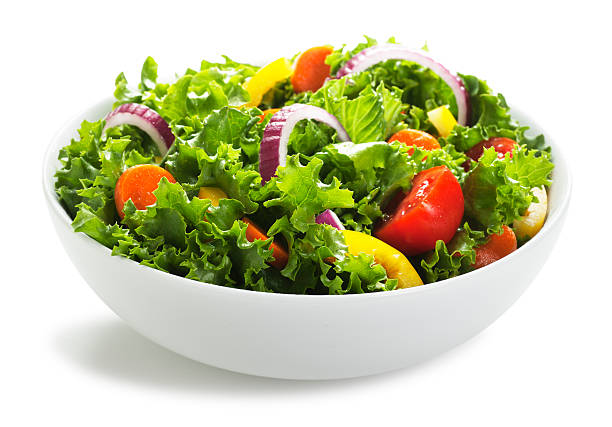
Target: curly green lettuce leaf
{"x":194,"y":168}
{"x":368,"y":111}
{"x":195,"y":93}
{"x":309,"y":253}
{"x":279,"y":95}
{"x":87,"y":146}
{"x":417,"y":86}
{"x":309,"y":136}
{"x":191,"y":238}
{"x":238,"y":128}
{"x":88,"y":222}
{"x":368,"y":166}
{"x":319,"y":263}
{"x":149,"y":91}
{"x":92,"y":164}
{"x":452,"y":259}
{"x":76,"y":175}
{"x":362,"y":117}
{"x":364,"y":275}
{"x":491,"y":117}
{"x":248,"y":258}
{"x":302,"y":195}
{"x":498,"y":191}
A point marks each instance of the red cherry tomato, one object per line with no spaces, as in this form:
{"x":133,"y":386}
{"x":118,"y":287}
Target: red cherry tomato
{"x":419,"y":138}
{"x":311,"y":70}
{"x":498,"y":246}
{"x":502,"y":146}
{"x":431,"y":211}
{"x":138,"y":183}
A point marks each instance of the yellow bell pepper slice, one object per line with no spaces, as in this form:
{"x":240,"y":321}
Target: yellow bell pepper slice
{"x":533,"y":220}
{"x":265,"y":79}
{"x":443,"y":120}
{"x":213,"y":194}
{"x":397,"y":265}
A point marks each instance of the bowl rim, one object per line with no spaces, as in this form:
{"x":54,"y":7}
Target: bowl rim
{"x":48,"y":172}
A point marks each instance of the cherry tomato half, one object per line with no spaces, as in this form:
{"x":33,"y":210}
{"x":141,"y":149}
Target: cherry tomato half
{"x":502,"y":146}
{"x":498,"y":246}
{"x":419,"y":138}
{"x":431,"y":211}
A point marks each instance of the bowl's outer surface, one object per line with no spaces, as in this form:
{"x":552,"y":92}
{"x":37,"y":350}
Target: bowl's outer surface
{"x":300,"y":336}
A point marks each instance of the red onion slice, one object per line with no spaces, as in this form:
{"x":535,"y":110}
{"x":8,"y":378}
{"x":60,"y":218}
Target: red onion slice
{"x":273,"y":148}
{"x":330,"y":218}
{"x":375,"y":54}
{"x":144,"y":118}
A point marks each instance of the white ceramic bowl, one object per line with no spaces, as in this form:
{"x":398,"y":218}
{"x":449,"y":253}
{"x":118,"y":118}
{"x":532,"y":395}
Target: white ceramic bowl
{"x":303,"y":336}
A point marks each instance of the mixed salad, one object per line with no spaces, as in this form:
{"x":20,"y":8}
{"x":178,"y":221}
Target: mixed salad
{"x":337,"y":171}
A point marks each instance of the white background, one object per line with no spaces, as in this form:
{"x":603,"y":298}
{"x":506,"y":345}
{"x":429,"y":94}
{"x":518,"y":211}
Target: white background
{"x":67,"y":360}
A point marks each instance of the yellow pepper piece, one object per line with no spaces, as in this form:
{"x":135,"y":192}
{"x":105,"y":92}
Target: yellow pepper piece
{"x":265,"y":79}
{"x":530,"y":223}
{"x":213,"y":194}
{"x":397,"y":265}
{"x":443,"y":120}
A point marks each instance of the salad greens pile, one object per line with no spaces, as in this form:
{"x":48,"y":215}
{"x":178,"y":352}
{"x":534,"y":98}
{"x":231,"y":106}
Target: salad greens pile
{"x":217,"y":145}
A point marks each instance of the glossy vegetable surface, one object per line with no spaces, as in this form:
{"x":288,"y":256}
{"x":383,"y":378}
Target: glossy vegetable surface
{"x":395,"y":263}
{"x":500,"y":144}
{"x":413,"y":137}
{"x":137,"y":184}
{"x":265,"y":79}
{"x":311,"y":70}
{"x":443,"y":120}
{"x":214,"y":194}
{"x":497,"y":247}
{"x":532,"y":221}
{"x":431,"y":211}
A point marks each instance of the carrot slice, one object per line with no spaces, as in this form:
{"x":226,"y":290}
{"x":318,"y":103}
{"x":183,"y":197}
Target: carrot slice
{"x":266,"y":112}
{"x":311,"y":70}
{"x":138,"y":183}
{"x":254,"y":233}
{"x":419,"y":138}
{"x":498,"y":246}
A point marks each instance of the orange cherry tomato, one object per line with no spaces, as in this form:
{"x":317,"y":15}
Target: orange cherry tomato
{"x":419,"y":138}
{"x":431,"y":211}
{"x":311,"y":70}
{"x":498,"y":246}
{"x":138,"y":183}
